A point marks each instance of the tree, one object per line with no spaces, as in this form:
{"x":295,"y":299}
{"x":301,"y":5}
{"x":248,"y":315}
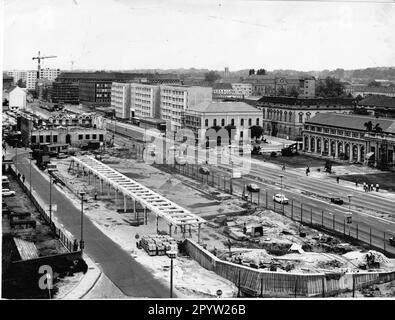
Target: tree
{"x":231,"y":132}
{"x":281,"y":91}
{"x":256,"y":132}
{"x":374,"y":83}
{"x":21,"y":84}
{"x":261,"y":72}
{"x":377,"y":128}
{"x":251,"y":72}
{"x":329,"y":87}
{"x":211,"y":76}
{"x":368,"y":125}
{"x":294,"y":92}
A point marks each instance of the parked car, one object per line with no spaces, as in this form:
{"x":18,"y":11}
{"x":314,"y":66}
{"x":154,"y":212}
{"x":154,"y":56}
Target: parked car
{"x":337,"y":200}
{"x":392,"y":241}
{"x":252,"y":187}
{"x":7,"y":193}
{"x":280,"y":198}
{"x":62,"y":156}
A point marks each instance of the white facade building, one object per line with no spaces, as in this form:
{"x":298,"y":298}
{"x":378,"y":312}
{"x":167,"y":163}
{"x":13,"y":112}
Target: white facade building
{"x":31,"y":79}
{"x":174,"y":100}
{"x":120,"y":99}
{"x":50,"y":74}
{"x":221,"y":114}
{"x":17,"y":99}
{"x":17,"y":75}
{"x":244,"y":89}
{"x":145,"y":100}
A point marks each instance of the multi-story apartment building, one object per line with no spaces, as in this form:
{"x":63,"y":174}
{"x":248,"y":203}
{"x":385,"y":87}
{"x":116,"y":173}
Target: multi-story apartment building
{"x":145,"y":100}
{"x":284,"y":117}
{"x":243,"y":89}
{"x":174,"y":100}
{"x":281,"y":86}
{"x":63,"y":91}
{"x":31,"y":79}
{"x":50,"y":74}
{"x":17,"y":75}
{"x":347,"y":137}
{"x":120,"y":99}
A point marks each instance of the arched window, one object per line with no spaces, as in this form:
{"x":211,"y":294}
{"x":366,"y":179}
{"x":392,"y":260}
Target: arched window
{"x":308,"y":115}
{"x":301,"y":117}
{"x":281,"y":116}
{"x":223,"y":122}
{"x":232,"y":122}
{"x":290,"y":116}
{"x":242,"y":122}
{"x":257,"y":121}
{"x":249,"y":122}
{"x":206,"y":122}
{"x":215,"y":122}
{"x":285,"y":115}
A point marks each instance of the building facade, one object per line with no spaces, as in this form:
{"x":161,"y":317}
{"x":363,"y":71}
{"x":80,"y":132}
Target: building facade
{"x":284,"y":117}
{"x":74,"y":136}
{"x":31,"y":79}
{"x":364,"y":91}
{"x":221,"y":114}
{"x":174,"y":100}
{"x":267,"y":85}
{"x":17,"y":99}
{"x":378,"y":106}
{"x":347,"y":137}
{"x":243,"y":89}
{"x":63,"y":91}
{"x":17,"y":75}
{"x":145,"y":100}
{"x":120,"y":99}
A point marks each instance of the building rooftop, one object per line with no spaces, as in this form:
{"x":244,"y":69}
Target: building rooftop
{"x":219,"y":86}
{"x":378,"y":90}
{"x":307,"y":101}
{"x":114,"y":76}
{"x":378,"y":101}
{"x":223,"y":107}
{"x":351,"y":121}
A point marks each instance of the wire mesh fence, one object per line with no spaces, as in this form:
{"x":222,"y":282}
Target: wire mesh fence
{"x":295,"y":209}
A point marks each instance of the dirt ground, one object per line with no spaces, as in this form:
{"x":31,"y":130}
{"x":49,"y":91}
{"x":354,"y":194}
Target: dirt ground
{"x":316,"y":252}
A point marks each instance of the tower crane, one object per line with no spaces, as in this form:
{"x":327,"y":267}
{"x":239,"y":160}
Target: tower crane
{"x":39,"y":58}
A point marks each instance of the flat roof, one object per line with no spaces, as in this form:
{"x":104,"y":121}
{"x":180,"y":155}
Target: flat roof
{"x":163,"y":207}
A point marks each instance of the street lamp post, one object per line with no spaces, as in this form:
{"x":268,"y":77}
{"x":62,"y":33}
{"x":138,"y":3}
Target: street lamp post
{"x":82,"y":193}
{"x":172,"y":255}
{"x":30,"y":174}
{"x":231,"y":178}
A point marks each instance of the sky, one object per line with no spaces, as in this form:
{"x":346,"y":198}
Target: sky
{"x":135,"y":34}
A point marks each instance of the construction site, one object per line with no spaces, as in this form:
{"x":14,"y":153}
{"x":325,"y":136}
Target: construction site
{"x":222,"y":230}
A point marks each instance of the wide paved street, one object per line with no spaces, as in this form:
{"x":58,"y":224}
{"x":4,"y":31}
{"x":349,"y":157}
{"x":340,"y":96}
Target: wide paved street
{"x":128,"y":275}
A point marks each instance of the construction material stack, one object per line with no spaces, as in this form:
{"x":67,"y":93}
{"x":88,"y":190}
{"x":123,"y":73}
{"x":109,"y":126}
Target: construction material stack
{"x":158,"y":244}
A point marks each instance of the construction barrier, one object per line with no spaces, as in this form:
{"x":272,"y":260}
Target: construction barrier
{"x":255,"y":282}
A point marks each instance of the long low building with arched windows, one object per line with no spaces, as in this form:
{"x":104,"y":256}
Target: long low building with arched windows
{"x":354,"y":138}
{"x":284,"y":117}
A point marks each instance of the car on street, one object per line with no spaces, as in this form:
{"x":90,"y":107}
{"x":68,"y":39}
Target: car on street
{"x":62,"y":156}
{"x":337,"y":200}
{"x":392,"y":241}
{"x":280,"y":198}
{"x":7,"y":193}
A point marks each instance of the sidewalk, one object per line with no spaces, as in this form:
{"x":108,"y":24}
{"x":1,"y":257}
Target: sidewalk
{"x":86,"y":284}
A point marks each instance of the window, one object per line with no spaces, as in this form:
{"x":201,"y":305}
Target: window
{"x":55,"y":139}
{"x":257,"y":121}
{"x":87,"y":136}
{"x":206,"y":122}
{"x":94,"y":136}
{"x":80,"y":137}
{"x":300,"y":117}
{"x":215,"y":122}
{"x":249,"y":122}
{"x":41,"y":139}
{"x":223,"y":122}
{"x":242,"y":122}
{"x":34,"y":139}
{"x":232,"y":122}
{"x":290,"y":117}
{"x":47,"y":138}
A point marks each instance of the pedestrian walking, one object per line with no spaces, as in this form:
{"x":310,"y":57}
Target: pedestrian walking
{"x":365,"y":187}
{"x":337,"y":179}
{"x":356,"y":183}
{"x":371,"y":187}
{"x":96,"y":195}
{"x":377,"y":187}
{"x":75,"y":245}
{"x":283,"y":168}
{"x":23,"y":178}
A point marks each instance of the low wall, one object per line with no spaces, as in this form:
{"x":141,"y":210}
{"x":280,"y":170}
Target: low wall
{"x":257,"y":282}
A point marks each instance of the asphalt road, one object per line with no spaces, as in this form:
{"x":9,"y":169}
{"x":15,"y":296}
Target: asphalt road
{"x":127,"y":274}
